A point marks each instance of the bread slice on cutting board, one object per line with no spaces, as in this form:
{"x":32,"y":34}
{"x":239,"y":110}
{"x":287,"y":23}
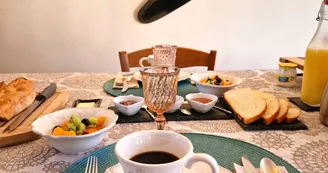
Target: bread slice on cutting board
{"x":246,"y":105}
{"x":273,"y":106}
{"x":284,"y":107}
{"x":292,"y":115}
{"x":15,"y":97}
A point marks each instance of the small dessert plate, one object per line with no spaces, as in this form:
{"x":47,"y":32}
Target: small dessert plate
{"x":130,"y":109}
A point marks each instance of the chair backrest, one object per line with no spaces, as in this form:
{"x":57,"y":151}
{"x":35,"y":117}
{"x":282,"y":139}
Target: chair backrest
{"x":185,"y":57}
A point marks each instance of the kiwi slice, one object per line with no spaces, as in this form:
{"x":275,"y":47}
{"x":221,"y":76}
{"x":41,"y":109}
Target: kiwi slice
{"x":80,"y":129}
{"x":76,"y":120}
{"x":71,"y":126}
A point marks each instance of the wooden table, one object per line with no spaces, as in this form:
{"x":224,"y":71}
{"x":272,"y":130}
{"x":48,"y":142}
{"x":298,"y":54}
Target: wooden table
{"x":306,"y":150}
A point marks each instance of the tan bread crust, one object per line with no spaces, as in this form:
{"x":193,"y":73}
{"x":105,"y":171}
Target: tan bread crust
{"x":269,"y":120}
{"x":15,"y":97}
{"x":245,"y":120}
{"x":292,"y":115}
{"x":273,"y":106}
{"x":284,"y":107}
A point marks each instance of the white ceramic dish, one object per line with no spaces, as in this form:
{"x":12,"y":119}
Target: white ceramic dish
{"x":131,"y":109}
{"x":214,"y":89}
{"x":178,"y":102}
{"x":73,"y":144}
{"x":201,"y":107}
{"x":182,"y":76}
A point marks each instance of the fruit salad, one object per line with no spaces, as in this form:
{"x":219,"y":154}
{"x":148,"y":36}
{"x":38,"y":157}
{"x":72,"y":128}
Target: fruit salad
{"x":215,"y":80}
{"x":75,"y":126}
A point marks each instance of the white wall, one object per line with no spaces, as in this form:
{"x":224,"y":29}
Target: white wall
{"x":86,"y":35}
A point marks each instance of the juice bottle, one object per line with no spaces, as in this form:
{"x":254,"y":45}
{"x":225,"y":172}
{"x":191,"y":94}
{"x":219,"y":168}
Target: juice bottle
{"x":315,"y":76}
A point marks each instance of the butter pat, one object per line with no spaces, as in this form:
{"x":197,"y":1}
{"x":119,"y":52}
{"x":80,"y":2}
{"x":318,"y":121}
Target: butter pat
{"x":86,"y":105}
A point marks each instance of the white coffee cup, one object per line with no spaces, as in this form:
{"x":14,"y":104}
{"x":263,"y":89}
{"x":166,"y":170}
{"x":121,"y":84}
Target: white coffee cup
{"x":159,"y":140}
{"x":149,"y":59}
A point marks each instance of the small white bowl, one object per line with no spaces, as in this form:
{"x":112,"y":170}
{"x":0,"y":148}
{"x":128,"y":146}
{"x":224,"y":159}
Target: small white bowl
{"x":214,"y":89}
{"x":201,"y":107}
{"x":178,"y":102}
{"x":131,"y":109}
{"x":73,"y":144}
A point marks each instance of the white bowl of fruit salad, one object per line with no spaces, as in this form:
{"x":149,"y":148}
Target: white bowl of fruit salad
{"x":75,"y":130}
{"x":215,"y":83}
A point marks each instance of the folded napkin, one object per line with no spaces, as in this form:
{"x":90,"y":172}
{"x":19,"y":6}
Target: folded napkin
{"x":119,"y":81}
{"x":241,"y":169}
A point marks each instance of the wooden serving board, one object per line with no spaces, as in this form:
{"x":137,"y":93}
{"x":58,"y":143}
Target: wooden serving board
{"x":296,"y":60}
{"x":24,"y":133}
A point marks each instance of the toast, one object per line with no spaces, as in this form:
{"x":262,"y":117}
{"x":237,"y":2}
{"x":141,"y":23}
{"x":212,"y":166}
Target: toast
{"x":246,"y":105}
{"x":284,"y":107}
{"x":292,"y":115}
{"x":15,"y":97}
{"x":272,"y":109}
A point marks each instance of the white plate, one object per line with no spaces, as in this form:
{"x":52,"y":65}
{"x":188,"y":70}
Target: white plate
{"x":182,"y":76}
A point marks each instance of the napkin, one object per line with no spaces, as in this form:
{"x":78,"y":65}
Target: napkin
{"x":118,"y":82}
{"x":241,"y":169}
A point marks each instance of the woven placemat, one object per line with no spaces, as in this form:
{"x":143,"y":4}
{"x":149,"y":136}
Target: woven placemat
{"x":226,"y":151}
{"x":184,"y":88}
{"x":143,"y":116}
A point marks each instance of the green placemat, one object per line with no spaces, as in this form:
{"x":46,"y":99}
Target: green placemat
{"x":184,"y":88}
{"x":226,"y":151}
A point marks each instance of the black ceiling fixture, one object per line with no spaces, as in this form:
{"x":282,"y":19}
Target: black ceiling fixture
{"x":155,"y":9}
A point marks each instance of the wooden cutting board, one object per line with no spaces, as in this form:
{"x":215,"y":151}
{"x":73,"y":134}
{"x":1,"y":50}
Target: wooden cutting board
{"x":24,"y":133}
{"x":296,"y":60}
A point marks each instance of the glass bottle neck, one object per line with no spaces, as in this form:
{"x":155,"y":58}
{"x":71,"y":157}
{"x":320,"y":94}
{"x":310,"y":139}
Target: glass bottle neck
{"x":323,"y":12}
{"x":320,"y":38}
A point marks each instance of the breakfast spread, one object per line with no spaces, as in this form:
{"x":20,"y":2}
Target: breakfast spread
{"x":128,"y":102}
{"x":286,"y":75}
{"x":251,"y":105}
{"x":15,"y":97}
{"x":202,"y":100}
{"x":85,"y":105}
{"x":75,"y":126}
{"x":215,"y":80}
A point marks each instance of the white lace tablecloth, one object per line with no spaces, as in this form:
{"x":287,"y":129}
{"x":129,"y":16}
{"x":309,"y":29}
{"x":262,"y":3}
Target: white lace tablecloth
{"x":306,"y":150}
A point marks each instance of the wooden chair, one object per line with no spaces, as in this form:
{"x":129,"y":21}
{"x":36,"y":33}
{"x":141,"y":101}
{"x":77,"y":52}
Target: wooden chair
{"x":185,"y":58}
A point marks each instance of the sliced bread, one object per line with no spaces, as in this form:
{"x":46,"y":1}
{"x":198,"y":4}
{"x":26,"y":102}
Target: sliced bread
{"x":284,"y":106}
{"x":292,"y":115}
{"x":247,"y":106}
{"x":273,"y":106}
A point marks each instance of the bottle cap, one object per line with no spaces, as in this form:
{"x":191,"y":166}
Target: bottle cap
{"x":290,"y":65}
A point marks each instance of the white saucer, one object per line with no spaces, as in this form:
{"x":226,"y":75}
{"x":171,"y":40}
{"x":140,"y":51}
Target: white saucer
{"x":198,"y":167}
{"x":182,"y":76}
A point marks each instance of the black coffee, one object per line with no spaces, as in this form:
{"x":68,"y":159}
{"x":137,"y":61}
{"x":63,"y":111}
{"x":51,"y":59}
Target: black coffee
{"x":154,"y":157}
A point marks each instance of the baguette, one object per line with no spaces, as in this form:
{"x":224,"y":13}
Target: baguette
{"x":272,"y":109}
{"x":15,"y":97}
{"x":292,"y":115}
{"x":247,"y":106}
{"x":284,"y":107}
